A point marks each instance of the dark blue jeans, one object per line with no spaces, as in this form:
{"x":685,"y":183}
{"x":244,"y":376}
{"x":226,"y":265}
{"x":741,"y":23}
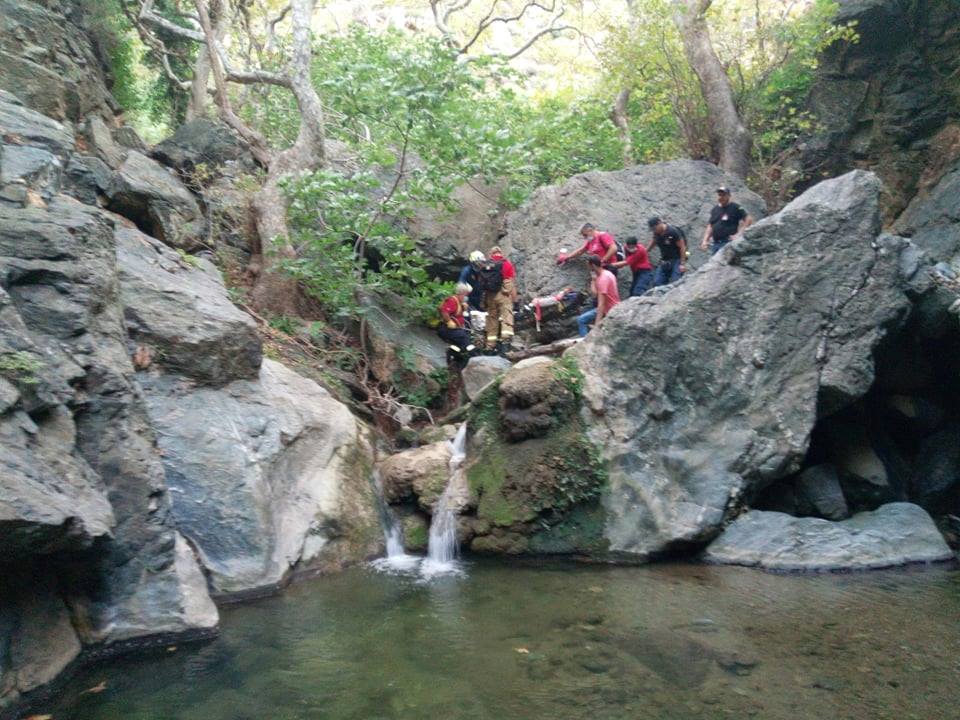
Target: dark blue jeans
{"x":718,"y":245}
{"x":668,"y":271}
{"x":642,"y":280}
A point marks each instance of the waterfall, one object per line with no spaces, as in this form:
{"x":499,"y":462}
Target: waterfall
{"x":397,"y":558}
{"x":442,"y":549}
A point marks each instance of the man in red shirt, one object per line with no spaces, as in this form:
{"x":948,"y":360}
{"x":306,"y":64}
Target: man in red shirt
{"x":608,"y":296}
{"x":452,"y":328}
{"x":639,"y":262}
{"x":597,"y":243}
{"x":498,"y":278}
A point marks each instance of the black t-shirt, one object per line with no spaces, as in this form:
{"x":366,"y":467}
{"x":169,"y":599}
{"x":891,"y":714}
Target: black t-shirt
{"x":724,"y":220}
{"x":669,"y":243}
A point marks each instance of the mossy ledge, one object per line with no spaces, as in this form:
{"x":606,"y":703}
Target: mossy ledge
{"x":535,"y":479}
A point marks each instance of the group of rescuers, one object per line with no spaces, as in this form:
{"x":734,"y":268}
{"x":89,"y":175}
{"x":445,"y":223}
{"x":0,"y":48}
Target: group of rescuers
{"x":490,"y":283}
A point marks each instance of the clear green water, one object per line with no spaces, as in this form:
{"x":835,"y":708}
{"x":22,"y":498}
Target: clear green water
{"x":560,"y":641}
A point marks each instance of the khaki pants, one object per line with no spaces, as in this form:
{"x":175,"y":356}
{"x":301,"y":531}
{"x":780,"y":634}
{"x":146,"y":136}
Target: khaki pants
{"x":500,"y":315}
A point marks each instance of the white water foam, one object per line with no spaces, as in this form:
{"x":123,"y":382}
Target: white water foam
{"x":443,"y":549}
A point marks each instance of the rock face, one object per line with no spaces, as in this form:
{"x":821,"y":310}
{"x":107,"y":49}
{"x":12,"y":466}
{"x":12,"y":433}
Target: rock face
{"x":266,"y":475}
{"x":188,"y":325}
{"x":714,"y":387}
{"x":48,"y":62}
{"x":895,"y":534}
{"x":932,"y":220}
{"x":156,"y":200}
{"x":448,"y":238}
{"x":680,"y":191}
{"x":83,"y":455}
{"x":878,"y":103}
{"x":421,"y":472}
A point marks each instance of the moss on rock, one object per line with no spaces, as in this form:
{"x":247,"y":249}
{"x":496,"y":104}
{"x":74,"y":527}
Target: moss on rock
{"x":533,"y":471}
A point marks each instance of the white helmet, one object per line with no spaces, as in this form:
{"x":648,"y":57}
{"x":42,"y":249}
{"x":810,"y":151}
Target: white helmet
{"x":477,"y":256}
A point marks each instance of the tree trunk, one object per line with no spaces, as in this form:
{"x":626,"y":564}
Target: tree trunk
{"x":729,"y":136}
{"x":618,"y":115}
{"x":274,"y":291}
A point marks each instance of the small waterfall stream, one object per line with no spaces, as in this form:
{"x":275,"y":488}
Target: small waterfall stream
{"x":397,"y":558}
{"x":442,"y":549}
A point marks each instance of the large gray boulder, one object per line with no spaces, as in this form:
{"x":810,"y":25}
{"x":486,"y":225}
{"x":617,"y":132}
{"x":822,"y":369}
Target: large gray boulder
{"x":267,"y":476}
{"x":620,"y":202}
{"x":33,"y":151}
{"x":203,"y":145}
{"x":481,"y":371}
{"x":181,"y":312}
{"x":448,"y":235}
{"x":894,"y":534}
{"x":715,"y":386}
{"x":155,"y":199}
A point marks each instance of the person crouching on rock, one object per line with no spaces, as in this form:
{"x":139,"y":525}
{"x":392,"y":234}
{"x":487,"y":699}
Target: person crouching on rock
{"x":639,"y":262}
{"x":498,"y":279}
{"x":607,"y":295}
{"x":452,"y":328}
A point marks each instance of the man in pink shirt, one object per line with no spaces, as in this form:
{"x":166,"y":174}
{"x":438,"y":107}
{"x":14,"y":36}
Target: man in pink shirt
{"x":607,"y":295}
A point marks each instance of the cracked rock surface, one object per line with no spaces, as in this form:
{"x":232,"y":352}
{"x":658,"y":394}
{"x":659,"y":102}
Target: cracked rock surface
{"x":713,"y":388}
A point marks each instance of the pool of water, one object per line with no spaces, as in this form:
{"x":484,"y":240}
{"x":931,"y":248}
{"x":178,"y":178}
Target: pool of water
{"x":558,"y":641}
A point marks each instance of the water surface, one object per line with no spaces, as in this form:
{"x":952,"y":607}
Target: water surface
{"x":559,"y":641}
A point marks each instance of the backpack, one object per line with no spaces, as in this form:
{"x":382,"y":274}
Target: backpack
{"x":490,"y":275}
{"x":621,"y":253}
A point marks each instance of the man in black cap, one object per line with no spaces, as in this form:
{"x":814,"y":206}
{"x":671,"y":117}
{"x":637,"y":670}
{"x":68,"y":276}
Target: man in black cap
{"x":673,"y":251}
{"x":727,"y":220}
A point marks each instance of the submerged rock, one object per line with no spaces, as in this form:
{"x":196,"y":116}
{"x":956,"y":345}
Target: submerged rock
{"x":894,"y":534}
{"x":715,"y":386}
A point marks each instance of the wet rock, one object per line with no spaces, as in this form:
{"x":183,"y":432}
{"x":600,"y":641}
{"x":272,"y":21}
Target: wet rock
{"x":894,"y":534}
{"x":500,"y":542}
{"x":422,"y":472}
{"x":481,"y":371}
{"x":705,"y":420}
{"x":619,"y":202}
{"x":265,"y":475}
{"x":416,"y":532}
{"x":935,"y":484}
{"x":58,"y":270}
{"x":35,"y":631}
{"x":150,"y":195}
{"x":181,"y":311}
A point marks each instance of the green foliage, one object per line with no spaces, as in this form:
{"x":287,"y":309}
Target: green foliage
{"x":151,"y":102}
{"x":21,"y":366}
{"x":568,"y":372}
{"x":284,"y":324}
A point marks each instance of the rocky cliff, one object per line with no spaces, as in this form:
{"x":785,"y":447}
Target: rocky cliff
{"x":151,"y":457}
{"x":891,"y":101}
